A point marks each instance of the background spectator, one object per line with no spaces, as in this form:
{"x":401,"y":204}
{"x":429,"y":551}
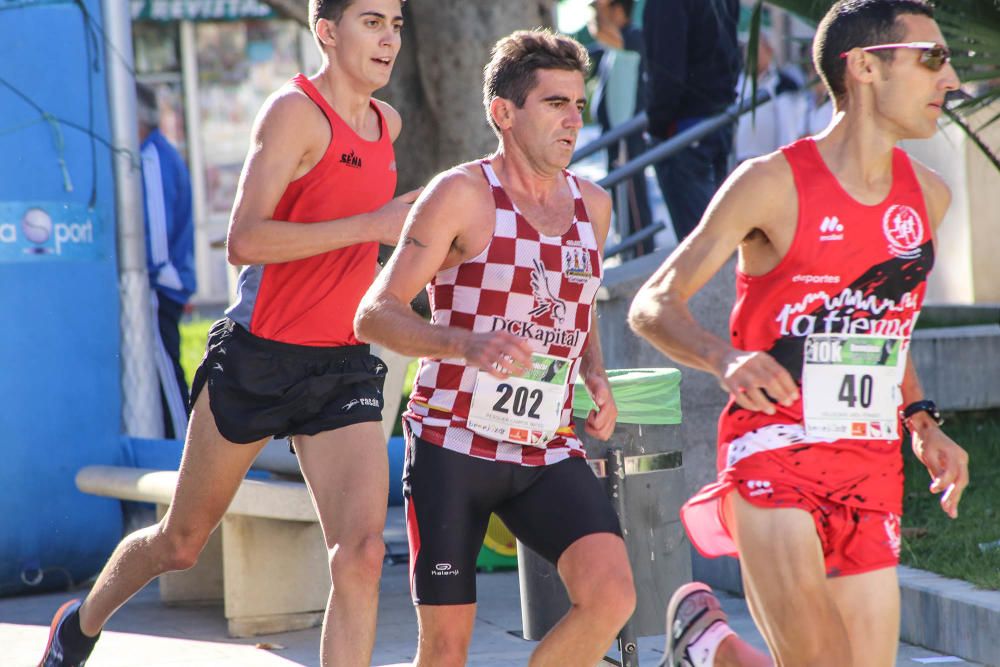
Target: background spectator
{"x":613,"y":32}
{"x":777,"y":122}
{"x":692,"y":64}
{"x":166,"y":188}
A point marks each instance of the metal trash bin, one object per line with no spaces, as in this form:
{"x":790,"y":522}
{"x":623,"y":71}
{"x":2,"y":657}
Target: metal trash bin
{"x":652,"y":489}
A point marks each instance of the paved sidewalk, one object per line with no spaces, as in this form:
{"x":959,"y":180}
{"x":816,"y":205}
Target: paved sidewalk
{"x":150,"y":634}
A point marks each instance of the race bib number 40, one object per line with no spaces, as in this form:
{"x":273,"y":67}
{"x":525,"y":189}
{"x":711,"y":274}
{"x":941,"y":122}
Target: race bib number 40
{"x":524,"y":410}
{"x":851,"y":386}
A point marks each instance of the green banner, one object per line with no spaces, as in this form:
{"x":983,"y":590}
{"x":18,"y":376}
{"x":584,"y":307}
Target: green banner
{"x":643,"y":396}
{"x":200,"y":10}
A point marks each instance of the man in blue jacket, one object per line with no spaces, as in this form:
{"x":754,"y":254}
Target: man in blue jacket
{"x":166,"y":188}
{"x":692,"y":63}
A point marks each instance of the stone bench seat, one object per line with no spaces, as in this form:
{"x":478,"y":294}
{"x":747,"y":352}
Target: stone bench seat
{"x":267,"y":560}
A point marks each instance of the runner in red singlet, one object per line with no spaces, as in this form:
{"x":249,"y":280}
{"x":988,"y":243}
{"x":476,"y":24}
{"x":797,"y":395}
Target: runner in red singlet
{"x":511,"y":248}
{"x":835,"y":239}
{"x":314,"y":200}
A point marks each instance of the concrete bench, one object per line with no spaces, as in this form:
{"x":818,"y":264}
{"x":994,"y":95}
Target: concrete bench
{"x":267,"y":561}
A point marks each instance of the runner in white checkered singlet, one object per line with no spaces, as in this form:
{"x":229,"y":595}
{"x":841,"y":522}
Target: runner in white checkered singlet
{"x":513,"y":271}
{"x":535,"y":286}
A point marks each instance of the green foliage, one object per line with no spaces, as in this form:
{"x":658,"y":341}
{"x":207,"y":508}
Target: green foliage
{"x":194,"y":337}
{"x":934,"y":542}
{"x":972,"y":29}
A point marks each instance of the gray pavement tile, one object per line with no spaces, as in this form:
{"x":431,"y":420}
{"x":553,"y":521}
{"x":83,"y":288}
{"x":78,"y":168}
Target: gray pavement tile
{"x":150,"y":634}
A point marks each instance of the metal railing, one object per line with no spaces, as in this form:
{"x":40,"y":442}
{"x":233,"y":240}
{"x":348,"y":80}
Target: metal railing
{"x":658,"y":153}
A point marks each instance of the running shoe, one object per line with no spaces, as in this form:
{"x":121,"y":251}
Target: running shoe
{"x":55,"y":653}
{"x":693,"y":609}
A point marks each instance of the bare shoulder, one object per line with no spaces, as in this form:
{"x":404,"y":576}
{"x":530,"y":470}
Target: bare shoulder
{"x":937,"y":193}
{"x":392,"y":118}
{"x":758,"y":193}
{"x":765,"y":176}
{"x":292,"y":116}
{"x":594,"y":196}
{"x":461,"y":190}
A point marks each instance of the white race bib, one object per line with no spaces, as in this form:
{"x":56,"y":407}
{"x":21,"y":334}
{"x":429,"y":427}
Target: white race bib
{"x":526,"y":410}
{"x":851,"y":386}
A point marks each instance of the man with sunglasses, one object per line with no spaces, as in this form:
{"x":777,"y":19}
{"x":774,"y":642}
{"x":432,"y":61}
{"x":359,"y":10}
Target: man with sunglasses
{"x":835,"y":235}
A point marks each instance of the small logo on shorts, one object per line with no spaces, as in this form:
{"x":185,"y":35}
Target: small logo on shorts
{"x":443,"y":570}
{"x":759,"y":487}
{"x":370,"y":402}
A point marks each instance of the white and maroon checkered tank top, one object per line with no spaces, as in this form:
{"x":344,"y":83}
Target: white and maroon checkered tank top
{"x":538,"y":287}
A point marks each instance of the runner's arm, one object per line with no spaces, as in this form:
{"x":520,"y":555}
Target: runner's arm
{"x":601,"y":420}
{"x":660,"y":312}
{"x":429,"y":237}
{"x":286,"y":134}
{"x":945,"y":460}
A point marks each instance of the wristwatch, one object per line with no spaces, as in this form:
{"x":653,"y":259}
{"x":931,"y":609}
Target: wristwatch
{"x":925,"y":405}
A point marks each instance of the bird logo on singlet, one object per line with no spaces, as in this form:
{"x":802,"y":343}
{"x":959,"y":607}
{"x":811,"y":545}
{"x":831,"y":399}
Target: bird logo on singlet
{"x":546,"y":301}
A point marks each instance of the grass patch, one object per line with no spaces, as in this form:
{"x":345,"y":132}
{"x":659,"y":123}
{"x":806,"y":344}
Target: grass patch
{"x":934,"y":542}
{"x":194,"y":337}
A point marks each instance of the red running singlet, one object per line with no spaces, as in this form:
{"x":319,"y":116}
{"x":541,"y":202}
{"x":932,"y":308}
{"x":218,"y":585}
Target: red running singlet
{"x":312,"y":301}
{"x":851,"y":268}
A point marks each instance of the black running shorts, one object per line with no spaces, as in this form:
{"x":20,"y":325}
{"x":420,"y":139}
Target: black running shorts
{"x":449,"y":499}
{"x":260,"y":388}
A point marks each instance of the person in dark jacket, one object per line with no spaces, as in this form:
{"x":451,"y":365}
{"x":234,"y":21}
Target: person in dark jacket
{"x":614,"y":31}
{"x":692,"y":64}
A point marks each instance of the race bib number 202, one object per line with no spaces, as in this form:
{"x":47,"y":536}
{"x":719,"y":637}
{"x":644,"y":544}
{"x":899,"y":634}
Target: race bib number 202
{"x":851,"y":386}
{"x":525,"y":410}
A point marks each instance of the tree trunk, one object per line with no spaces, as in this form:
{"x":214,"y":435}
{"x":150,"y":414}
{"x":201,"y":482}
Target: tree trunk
{"x":437,"y":81}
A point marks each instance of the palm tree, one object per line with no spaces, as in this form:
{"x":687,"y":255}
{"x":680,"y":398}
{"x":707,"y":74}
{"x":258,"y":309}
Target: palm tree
{"x":972,"y":28}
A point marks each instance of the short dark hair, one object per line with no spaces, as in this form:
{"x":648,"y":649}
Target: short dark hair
{"x":510,"y":73}
{"x":853,"y":23}
{"x":627,"y":5}
{"x":147,"y":108}
{"x":331,"y":10}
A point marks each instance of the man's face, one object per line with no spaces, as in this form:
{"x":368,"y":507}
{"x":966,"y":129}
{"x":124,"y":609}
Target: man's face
{"x":607,"y":14}
{"x":908,"y":94}
{"x":546,"y":127}
{"x":366,"y":41}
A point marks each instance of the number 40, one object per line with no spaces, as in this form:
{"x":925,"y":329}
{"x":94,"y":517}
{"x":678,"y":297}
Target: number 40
{"x":852,"y":392}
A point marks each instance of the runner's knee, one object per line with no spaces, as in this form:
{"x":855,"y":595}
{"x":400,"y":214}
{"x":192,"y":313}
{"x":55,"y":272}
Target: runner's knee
{"x":442,"y":649}
{"x":358,"y":561}
{"x":180,"y":549}
{"x":608,"y":590}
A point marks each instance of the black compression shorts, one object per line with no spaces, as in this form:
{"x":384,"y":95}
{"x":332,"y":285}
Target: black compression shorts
{"x":449,"y":499}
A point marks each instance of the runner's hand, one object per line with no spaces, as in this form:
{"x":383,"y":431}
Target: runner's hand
{"x":499,"y":353}
{"x":748,"y":375}
{"x":947,"y":463}
{"x":601,"y":420}
{"x":392,"y":215}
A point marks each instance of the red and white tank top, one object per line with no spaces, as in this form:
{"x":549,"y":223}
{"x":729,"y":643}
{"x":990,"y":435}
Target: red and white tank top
{"x":312,"y":301}
{"x":538,"y":287}
{"x":851,"y":269}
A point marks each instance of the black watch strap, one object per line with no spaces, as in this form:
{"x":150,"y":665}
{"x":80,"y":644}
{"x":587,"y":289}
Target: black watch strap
{"x":925,"y":405}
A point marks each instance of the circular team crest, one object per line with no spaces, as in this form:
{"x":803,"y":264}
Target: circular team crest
{"x":903,"y":230}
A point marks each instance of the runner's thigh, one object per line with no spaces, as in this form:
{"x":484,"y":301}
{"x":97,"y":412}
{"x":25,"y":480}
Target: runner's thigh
{"x":869,"y":605}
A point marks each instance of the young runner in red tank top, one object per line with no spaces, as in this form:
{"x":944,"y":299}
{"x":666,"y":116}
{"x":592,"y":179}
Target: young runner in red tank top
{"x":314,"y":199}
{"x":835,"y":236}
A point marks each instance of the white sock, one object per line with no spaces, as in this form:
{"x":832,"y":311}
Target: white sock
{"x":702,"y":650}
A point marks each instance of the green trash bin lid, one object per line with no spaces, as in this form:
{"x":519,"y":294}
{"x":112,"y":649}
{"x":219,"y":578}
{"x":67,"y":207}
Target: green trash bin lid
{"x":643,"y":396}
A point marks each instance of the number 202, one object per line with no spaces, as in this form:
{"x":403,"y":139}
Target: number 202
{"x":520,"y":403}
